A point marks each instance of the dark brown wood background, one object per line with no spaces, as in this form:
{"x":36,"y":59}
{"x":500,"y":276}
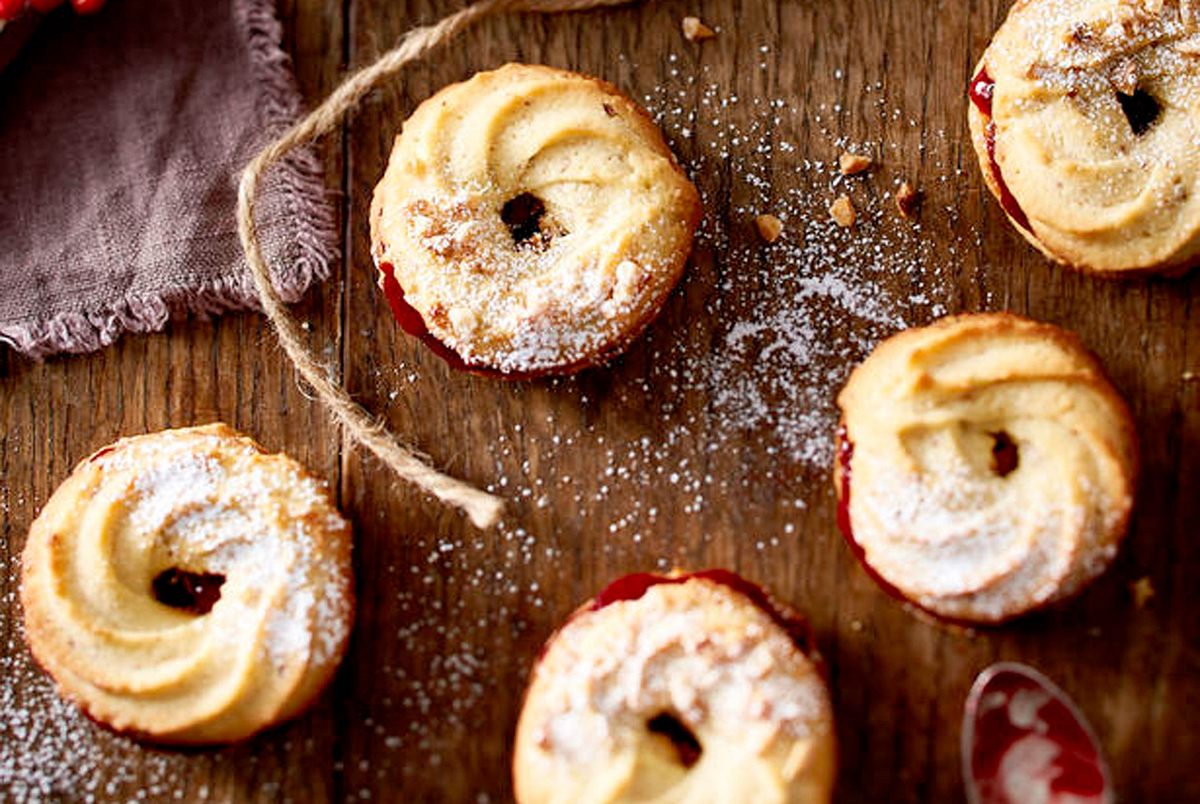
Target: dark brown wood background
{"x":603,"y":471}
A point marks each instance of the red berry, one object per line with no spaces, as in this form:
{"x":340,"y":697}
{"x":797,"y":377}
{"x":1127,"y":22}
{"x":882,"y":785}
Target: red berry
{"x":45,"y":6}
{"x":87,"y":6}
{"x":11,"y":9}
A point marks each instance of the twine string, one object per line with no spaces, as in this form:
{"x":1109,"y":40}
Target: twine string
{"x":482,"y":508}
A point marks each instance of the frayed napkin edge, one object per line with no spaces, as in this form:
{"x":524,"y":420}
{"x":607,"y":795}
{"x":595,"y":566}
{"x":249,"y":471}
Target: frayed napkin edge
{"x":310,"y":214}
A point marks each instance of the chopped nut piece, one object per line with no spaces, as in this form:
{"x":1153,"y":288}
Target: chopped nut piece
{"x":1079,"y":34}
{"x":908,"y":199}
{"x":1125,"y":78}
{"x":1142,"y":590}
{"x":853,"y":164}
{"x":769,"y":227}
{"x":1190,"y":376}
{"x":842,"y":211}
{"x":1189,"y":46}
{"x":694,"y":30}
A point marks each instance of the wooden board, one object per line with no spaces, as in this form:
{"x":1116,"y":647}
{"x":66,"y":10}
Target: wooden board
{"x":707,"y":445}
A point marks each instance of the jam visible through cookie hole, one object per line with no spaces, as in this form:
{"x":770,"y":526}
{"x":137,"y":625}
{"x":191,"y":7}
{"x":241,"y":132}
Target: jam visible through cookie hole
{"x":1005,"y":455}
{"x":193,"y":592}
{"x":1141,"y":109}
{"x":523,"y":217}
{"x":687,"y":747}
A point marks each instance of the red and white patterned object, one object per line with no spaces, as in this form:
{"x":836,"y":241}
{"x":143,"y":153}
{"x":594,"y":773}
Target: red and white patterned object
{"x":1025,"y":742}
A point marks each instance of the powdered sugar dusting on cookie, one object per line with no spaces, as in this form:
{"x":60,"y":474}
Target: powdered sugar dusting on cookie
{"x":181,"y":483}
{"x":936,"y":513}
{"x":199,"y":500}
{"x":1091,"y":131}
{"x":703,"y":654}
{"x":214,"y":516}
{"x":532,"y":219}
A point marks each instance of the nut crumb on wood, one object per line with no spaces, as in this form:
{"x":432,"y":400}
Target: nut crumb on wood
{"x":853,"y":164}
{"x":1142,"y":590}
{"x":695,"y":31}
{"x":1190,"y":376}
{"x":842,"y":211}
{"x":769,"y":227}
{"x":908,"y":199}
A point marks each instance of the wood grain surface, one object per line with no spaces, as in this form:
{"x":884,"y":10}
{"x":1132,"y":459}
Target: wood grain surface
{"x":708,"y":444}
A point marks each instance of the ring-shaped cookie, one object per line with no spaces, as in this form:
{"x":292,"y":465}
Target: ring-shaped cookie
{"x":531,"y":221}
{"x":187,"y":587}
{"x":986,"y":466}
{"x":1085,"y":115}
{"x":683,"y":688}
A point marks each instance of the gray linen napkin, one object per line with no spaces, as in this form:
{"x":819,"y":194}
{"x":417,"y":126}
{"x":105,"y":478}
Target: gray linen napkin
{"x":121,"y":139}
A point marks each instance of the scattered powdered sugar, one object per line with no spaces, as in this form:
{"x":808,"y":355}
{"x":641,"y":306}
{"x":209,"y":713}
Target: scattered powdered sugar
{"x":771,"y":331}
{"x":49,"y":751}
{"x":436,"y":686}
{"x":777,"y":330}
{"x":791,"y":318}
{"x":746,"y":361}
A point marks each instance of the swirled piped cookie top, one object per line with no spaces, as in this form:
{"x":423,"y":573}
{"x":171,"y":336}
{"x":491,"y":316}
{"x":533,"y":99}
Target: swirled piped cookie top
{"x":530,"y":221}
{"x":187,"y":587}
{"x":685,"y":690}
{"x":1086,"y":120}
{"x":987,"y":466}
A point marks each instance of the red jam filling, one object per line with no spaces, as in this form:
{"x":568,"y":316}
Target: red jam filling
{"x":194,"y":592}
{"x":1073,"y":772}
{"x":632,"y":587}
{"x":410,"y":321}
{"x":100,"y":453}
{"x":983,"y":88}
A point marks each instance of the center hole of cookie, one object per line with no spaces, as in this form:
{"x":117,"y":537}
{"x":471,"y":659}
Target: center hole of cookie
{"x":523,"y":216}
{"x":1141,"y":110}
{"x":1005,"y":455}
{"x":686,"y":746}
{"x":193,"y":592}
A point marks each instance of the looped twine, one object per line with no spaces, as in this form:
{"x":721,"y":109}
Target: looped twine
{"x":483,"y":509}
